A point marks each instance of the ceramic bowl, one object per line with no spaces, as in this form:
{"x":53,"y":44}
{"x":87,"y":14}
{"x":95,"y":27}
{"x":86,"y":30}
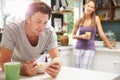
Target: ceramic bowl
{"x":41,"y":67}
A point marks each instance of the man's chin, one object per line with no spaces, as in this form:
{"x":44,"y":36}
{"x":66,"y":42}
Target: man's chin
{"x":38,"y":34}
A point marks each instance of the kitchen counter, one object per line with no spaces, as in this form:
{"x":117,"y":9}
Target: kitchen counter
{"x":99,"y":47}
{"x":105,"y":59}
{"x":65,"y":48}
{"x":68,"y":73}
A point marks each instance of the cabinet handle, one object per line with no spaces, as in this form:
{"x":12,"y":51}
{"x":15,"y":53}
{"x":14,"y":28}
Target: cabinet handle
{"x":116,"y":64}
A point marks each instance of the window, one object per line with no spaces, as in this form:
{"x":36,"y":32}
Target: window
{"x":11,"y":10}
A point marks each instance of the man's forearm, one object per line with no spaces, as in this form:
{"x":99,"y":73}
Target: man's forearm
{"x":2,"y":61}
{"x":6,"y":55}
{"x":1,"y":64}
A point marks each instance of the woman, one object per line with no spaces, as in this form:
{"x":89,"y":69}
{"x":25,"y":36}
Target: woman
{"x":85,"y":47}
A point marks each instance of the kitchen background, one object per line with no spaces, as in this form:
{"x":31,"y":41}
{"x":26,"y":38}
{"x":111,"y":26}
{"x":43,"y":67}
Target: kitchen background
{"x":10,"y":10}
{"x":66,"y":12}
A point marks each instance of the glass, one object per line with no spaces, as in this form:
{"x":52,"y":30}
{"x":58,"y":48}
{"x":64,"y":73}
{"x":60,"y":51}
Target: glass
{"x":88,"y":35}
{"x":12,"y":70}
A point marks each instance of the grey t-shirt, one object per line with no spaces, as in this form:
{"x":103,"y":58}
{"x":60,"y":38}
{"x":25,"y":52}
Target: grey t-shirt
{"x":14,"y":38}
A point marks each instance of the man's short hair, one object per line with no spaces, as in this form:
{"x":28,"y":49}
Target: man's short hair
{"x":38,"y":7}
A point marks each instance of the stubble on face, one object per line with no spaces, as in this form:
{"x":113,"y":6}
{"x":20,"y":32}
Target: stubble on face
{"x":38,"y":23}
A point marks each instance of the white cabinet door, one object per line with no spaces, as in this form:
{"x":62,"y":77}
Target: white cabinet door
{"x":66,"y":56}
{"x":107,"y":61}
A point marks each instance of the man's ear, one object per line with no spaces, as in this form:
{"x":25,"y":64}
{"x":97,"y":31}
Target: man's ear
{"x":27,"y":19}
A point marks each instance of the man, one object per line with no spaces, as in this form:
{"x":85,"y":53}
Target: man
{"x":27,"y":40}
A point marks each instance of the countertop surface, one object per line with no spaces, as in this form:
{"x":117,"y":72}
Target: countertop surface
{"x":68,"y":73}
{"x":98,"y":46}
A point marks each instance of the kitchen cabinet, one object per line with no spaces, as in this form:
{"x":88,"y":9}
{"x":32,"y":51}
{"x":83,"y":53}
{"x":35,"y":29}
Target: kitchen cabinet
{"x":108,"y":10}
{"x":105,"y":59}
{"x":59,"y":8}
{"x":67,"y":55}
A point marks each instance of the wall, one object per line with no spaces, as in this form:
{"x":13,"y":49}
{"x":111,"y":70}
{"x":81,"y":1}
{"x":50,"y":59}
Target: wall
{"x":114,"y":26}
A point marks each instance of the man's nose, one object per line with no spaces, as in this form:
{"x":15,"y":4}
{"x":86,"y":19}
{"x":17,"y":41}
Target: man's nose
{"x":41,"y":26}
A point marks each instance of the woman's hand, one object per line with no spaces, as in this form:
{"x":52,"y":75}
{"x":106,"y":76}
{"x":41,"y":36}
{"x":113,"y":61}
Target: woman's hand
{"x":74,"y":36}
{"x":29,"y":68}
{"x":53,"y":69}
{"x":82,"y":36}
{"x":79,"y":36}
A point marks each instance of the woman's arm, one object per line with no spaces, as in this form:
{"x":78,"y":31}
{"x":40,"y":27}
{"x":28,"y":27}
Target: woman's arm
{"x":75,"y":29}
{"x":101,"y":33}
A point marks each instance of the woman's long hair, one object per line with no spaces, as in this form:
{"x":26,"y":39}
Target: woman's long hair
{"x":93,"y":23}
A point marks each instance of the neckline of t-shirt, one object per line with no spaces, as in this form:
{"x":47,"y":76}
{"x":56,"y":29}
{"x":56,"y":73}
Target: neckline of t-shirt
{"x":25,"y":36}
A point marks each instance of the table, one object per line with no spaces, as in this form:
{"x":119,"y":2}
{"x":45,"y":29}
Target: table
{"x":69,"y":73}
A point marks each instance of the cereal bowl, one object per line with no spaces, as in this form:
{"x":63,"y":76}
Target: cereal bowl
{"x":41,"y":67}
